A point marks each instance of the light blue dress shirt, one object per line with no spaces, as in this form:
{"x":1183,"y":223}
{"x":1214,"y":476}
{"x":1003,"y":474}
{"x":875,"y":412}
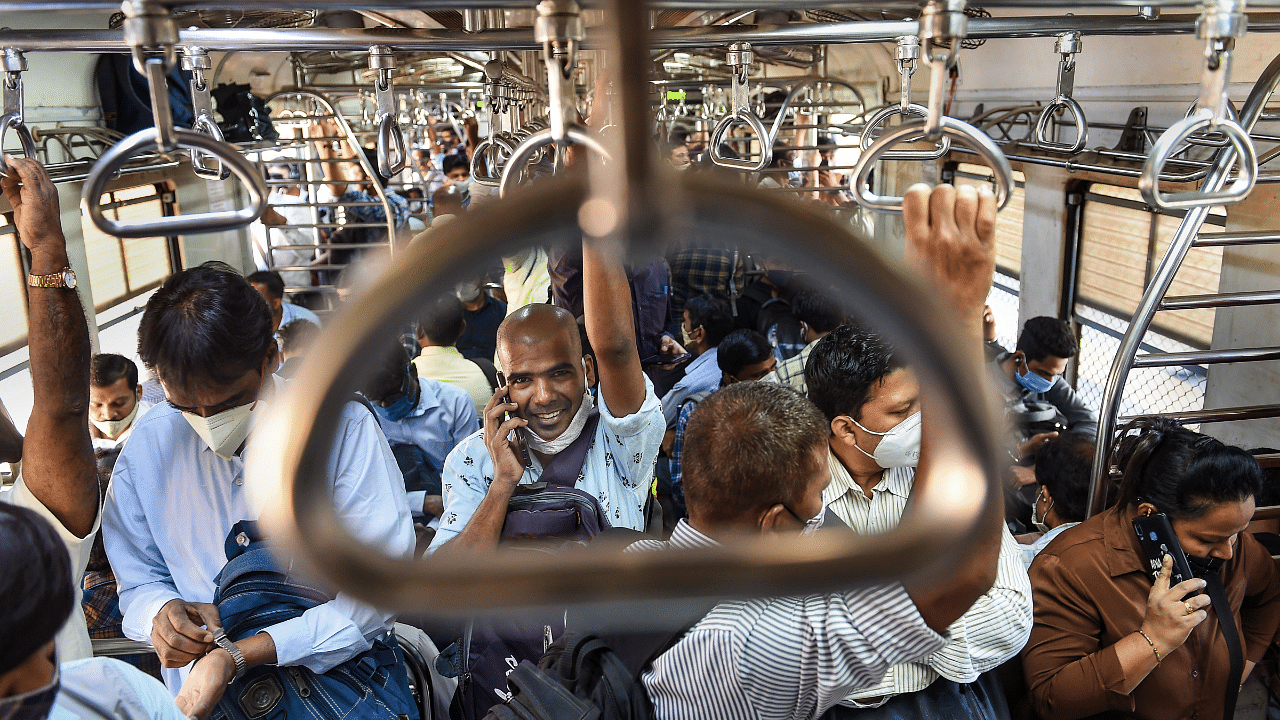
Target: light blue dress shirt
{"x":173,"y":501}
{"x":445,"y":416}
{"x":618,"y":469}
{"x":1029,"y":552}
{"x":290,"y":313}
{"x":702,"y":375}
{"x":111,"y":690}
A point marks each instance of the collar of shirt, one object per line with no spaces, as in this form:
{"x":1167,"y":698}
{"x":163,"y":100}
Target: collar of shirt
{"x":702,"y":365}
{"x":435,"y":351}
{"x":685,"y":537}
{"x":1119,"y":536}
{"x":842,"y":483}
{"x":428,"y":397}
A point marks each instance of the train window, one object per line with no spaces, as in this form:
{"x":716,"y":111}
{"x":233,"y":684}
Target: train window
{"x":13,"y":296}
{"x":121,"y":268}
{"x":1008,"y":222}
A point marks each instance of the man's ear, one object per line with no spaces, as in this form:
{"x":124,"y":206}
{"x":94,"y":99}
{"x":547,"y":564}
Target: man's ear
{"x":137,"y":392}
{"x":842,"y":429}
{"x":777,"y":518}
{"x":592,"y":377}
{"x":271,"y":362}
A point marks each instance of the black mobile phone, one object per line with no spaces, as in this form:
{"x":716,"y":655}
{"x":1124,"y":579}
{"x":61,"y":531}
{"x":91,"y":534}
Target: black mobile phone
{"x":1156,"y":536}
{"x":516,"y":441}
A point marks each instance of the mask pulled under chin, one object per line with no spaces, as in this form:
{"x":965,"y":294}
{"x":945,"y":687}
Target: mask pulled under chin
{"x":113,"y":428}
{"x":566,"y":438}
{"x":34,"y":705}
{"x":1205,"y":566}
{"x":226,"y":431}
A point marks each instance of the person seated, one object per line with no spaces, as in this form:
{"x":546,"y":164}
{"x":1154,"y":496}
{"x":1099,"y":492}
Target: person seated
{"x":743,"y":356}
{"x":178,"y":491}
{"x":295,"y":340}
{"x":871,"y":400}
{"x":707,"y":321}
{"x":38,"y":599}
{"x":1108,"y":641}
{"x":59,"y":476}
{"x":418,"y":412}
{"x":779,"y":173}
{"x":438,"y":332}
{"x":283,"y":314}
{"x":818,"y":315}
{"x":546,"y":401}
{"x":677,"y":154}
{"x":1063,"y":466}
{"x":479,"y":341}
{"x":1034,"y":371}
{"x":115,"y":403}
{"x":447,"y":203}
{"x":457,"y":174}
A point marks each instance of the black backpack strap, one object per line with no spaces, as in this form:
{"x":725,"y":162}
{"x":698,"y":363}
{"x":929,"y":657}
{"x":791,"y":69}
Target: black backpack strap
{"x":563,"y":469}
{"x":1227,"y":621}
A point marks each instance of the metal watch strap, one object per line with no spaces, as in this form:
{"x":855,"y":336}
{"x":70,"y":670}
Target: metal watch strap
{"x":48,"y":280}
{"x":220,"y":637}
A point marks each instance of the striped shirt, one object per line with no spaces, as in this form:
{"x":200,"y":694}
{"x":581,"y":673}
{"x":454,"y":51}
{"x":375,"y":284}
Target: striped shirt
{"x":991,"y":632}
{"x":782,"y":658}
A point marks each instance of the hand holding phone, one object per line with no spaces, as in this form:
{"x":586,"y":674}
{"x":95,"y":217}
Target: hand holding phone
{"x":512,"y":437}
{"x":1157,"y":538}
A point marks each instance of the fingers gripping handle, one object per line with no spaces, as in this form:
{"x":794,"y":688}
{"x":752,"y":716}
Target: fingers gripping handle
{"x":957,"y":130}
{"x":123,"y":151}
{"x":8,"y":121}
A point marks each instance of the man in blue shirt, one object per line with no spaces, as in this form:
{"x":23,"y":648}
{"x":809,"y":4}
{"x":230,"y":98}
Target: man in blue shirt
{"x":178,"y":489}
{"x":271,"y":285}
{"x":707,"y":321}
{"x":427,"y":414}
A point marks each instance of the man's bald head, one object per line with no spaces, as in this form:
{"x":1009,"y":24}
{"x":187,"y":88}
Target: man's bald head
{"x":535,"y":324}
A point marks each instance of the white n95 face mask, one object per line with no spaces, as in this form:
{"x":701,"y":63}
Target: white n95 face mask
{"x":899,"y":447}
{"x":227,"y":430}
{"x":113,"y":428}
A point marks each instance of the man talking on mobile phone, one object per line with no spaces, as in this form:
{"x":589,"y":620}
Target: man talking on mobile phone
{"x":551,"y":394}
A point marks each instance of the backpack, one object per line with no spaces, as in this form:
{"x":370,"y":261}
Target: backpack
{"x":588,"y":677}
{"x":126,"y":98}
{"x":253,"y":593}
{"x":245,"y":116}
{"x":418,"y":471}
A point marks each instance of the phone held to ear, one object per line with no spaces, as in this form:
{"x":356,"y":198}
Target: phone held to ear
{"x":514,"y":437}
{"x":1156,"y":536}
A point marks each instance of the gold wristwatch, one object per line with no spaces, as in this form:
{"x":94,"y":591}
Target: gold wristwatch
{"x":64,"y":278}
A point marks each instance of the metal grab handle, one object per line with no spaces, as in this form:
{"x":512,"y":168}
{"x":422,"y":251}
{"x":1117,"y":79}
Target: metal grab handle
{"x":389,"y":134}
{"x":1062,"y":102}
{"x":1207,"y":139}
{"x":1149,"y":181}
{"x":958,"y":130}
{"x":741,"y":116}
{"x":20,"y":129}
{"x":218,"y":171}
{"x":480,"y":164}
{"x":115,"y":158}
{"x":539,"y":140}
{"x":942,"y":148}
{"x":289,"y":480}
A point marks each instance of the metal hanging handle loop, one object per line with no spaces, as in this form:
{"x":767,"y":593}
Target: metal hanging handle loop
{"x":959,"y":131}
{"x":480,"y":165}
{"x":1208,"y":139}
{"x":11,"y":120}
{"x":392,"y":155}
{"x":217,"y":171}
{"x":525,"y":151}
{"x":942,"y":147}
{"x":1062,"y":102}
{"x":121,"y":152}
{"x":1166,"y":146}
{"x":748,"y":118}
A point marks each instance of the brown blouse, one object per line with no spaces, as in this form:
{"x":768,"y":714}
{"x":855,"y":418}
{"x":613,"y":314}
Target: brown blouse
{"x":1090,"y":590}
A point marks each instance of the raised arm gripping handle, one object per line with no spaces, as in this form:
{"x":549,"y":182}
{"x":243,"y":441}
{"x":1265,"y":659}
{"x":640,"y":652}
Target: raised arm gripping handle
{"x":748,"y":118}
{"x":392,"y":156}
{"x":1062,"y":102}
{"x":942,"y":148}
{"x":11,"y":120}
{"x":121,"y":152}
{"x":1167,"y":145}
{"x":536,"y":142}
{"x":957,"y":130}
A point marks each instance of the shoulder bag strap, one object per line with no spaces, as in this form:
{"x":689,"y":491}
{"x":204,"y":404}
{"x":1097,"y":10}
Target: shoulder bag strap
{"x":1227,"y":621}
{"x":563,"y":469}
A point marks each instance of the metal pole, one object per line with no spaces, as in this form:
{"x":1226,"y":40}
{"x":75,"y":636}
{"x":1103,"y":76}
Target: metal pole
{"x":1182,"y":241}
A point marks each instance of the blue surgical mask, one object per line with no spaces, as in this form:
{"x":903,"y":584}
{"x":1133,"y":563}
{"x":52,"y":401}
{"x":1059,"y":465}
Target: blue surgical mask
{"x":1035,"y":383}
{"x":34,"y":705}
{"x":398,"y":410}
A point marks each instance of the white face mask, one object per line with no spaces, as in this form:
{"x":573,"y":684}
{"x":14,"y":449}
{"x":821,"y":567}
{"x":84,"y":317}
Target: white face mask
{"x":227,"y":430}
{"x":1035,"y":508}
{"x":113,"y":428}
{"x":566,"y":438}
{"x":899,"y":447}
{"x":772,"y":377}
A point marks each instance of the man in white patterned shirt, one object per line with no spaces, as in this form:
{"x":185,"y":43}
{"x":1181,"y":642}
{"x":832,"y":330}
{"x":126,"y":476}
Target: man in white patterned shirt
{"x":757,"y":463}
{"x":871,"y":402}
